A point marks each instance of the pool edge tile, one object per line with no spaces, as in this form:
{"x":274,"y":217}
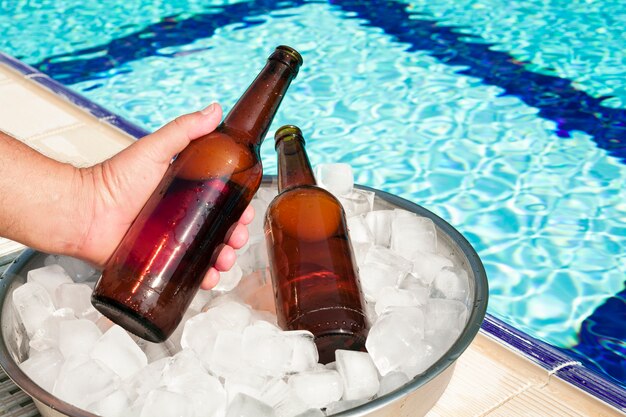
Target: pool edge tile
{"x":558,"y":363}
{"x":71,"y":96}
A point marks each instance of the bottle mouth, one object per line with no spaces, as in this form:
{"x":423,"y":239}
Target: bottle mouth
{"x":287,"y":132}
{"x":289,"y":56}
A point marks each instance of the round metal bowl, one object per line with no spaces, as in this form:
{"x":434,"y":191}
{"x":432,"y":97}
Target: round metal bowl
{"x":411,"y":400}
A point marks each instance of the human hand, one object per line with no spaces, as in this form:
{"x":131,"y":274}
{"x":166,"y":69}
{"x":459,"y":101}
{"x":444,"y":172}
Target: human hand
{"x":114,"y":191}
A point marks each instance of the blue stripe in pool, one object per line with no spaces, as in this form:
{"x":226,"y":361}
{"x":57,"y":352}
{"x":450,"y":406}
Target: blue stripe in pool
{"x":555,"y":97}
{"x":170,"y":31}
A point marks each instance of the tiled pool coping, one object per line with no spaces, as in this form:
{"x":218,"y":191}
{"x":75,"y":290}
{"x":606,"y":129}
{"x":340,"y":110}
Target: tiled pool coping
{"x":548,"y":357}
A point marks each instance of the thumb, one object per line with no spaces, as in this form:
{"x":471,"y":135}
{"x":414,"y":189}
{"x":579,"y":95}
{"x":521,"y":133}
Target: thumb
{"x":162,"y":145}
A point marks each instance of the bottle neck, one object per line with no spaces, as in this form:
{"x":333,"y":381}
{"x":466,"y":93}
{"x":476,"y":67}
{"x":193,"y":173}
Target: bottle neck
{"x":252,"y":115}
{"x":294,"y":168}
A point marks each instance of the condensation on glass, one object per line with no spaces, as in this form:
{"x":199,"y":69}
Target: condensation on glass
{"x":312,"y":262}
{"x":156,"y":270}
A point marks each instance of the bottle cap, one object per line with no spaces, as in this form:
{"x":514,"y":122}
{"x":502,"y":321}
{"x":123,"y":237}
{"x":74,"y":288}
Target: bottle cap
{"x":289,"y":56}
{"x":287,"y":132}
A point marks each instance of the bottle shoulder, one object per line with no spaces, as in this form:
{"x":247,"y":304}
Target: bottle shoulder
{"x":216,"y":155}
{"x":307,"y":192}
{"x":307,"y":213}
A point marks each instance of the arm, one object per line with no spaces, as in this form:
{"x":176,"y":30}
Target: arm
{"x":85,"y":212}
{"x":37,"y":205}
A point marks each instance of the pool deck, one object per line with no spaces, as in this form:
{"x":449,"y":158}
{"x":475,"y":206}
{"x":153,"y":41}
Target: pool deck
{"x":492,"y":378}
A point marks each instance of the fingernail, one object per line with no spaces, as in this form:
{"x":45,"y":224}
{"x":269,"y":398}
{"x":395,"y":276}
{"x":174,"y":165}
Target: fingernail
{"x":209,"y":109}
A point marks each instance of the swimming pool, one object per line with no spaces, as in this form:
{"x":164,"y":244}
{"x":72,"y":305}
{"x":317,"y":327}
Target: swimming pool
{"x":508,"y":119}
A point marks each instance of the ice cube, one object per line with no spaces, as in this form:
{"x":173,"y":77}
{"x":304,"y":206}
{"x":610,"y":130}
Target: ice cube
{"x":83,"y":381}
{"x":246,"y":406}
{"x":343,"y":405}
{"x":266,"y":352}
{"x":227,"y":355}
{"x":177,"y":334}
{"x":78,"y":298}
{"x":413,"y":233}
{"x":43,"y":367}
{"x":255,"y":228}
{"x":148,"y":378}
{"x":390,"y":297}
{"x":272,"y":352}
{"x":77,"y":337}
{"x":445,"y":320}
{"x":266,"y":316}
{"x":78,"y":270}
{"x":427,"y":265}
{"x":304,"y":351}
{"x":244,"y":382}
{"x":200,"y":331}
{"x":116,"y":404}
{"x":155,"y":351}
{"x":414,"y":282}
{"x":375,"y":277}
{"x":451,"y":284}
{"x":230,"y":279}
{"x":182,"y":363}
{"x":119,"y":352}
{"x":279,"y":395}
{"x":313,"y":412}
{"x":317,"y":388}
{"x":395,"y":338}
{"x":33,"y":305}
{"x":370,"y":310}
{"x":163,"y":403}
{"x":391,"y":382}
{"x":47,"y":336}
{"x":358,"y":373}
{"x":336,"y":178}
{"x":205,"y":393}
{"x":445,"y":314}
{"x":291,"y":407}
{"x":49,"y":277}
{"x":357,"y":202}
{"x":379,"y":223}
{"x":377,"y":255}
{"x":416,"y":286}
{"x":201,"y":299}
{"x":419,"y":363}
{"x":275,"y":391}
{"x":253,"y":256}
{"x":359,"y":231}
{"x":360,"y":251}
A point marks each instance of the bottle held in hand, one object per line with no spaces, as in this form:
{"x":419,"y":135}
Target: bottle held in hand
{"x":312,"y":264}
{"x":156,"y":270}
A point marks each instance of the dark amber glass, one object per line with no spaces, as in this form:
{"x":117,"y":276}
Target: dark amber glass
{"x":156,"y":270}
{"x":312,"y":264}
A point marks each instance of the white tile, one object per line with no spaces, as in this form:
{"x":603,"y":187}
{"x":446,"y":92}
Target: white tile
{"x":491,"y":380}
{"x":83,"y":146}
{"x":24,"y":114}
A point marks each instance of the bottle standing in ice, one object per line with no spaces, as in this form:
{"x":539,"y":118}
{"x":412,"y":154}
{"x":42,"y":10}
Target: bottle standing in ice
{"x":156,"y":270}
{"x":312,"y":263}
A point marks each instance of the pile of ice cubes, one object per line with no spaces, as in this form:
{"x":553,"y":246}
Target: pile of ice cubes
{"x":228,"y":358}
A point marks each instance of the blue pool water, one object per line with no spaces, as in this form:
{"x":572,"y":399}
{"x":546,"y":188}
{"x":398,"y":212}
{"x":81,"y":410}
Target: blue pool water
{"x":506,"y":118}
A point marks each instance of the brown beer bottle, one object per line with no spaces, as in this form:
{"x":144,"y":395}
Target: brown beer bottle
{"x":312,"y":264}
{"x":157,"y":269}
